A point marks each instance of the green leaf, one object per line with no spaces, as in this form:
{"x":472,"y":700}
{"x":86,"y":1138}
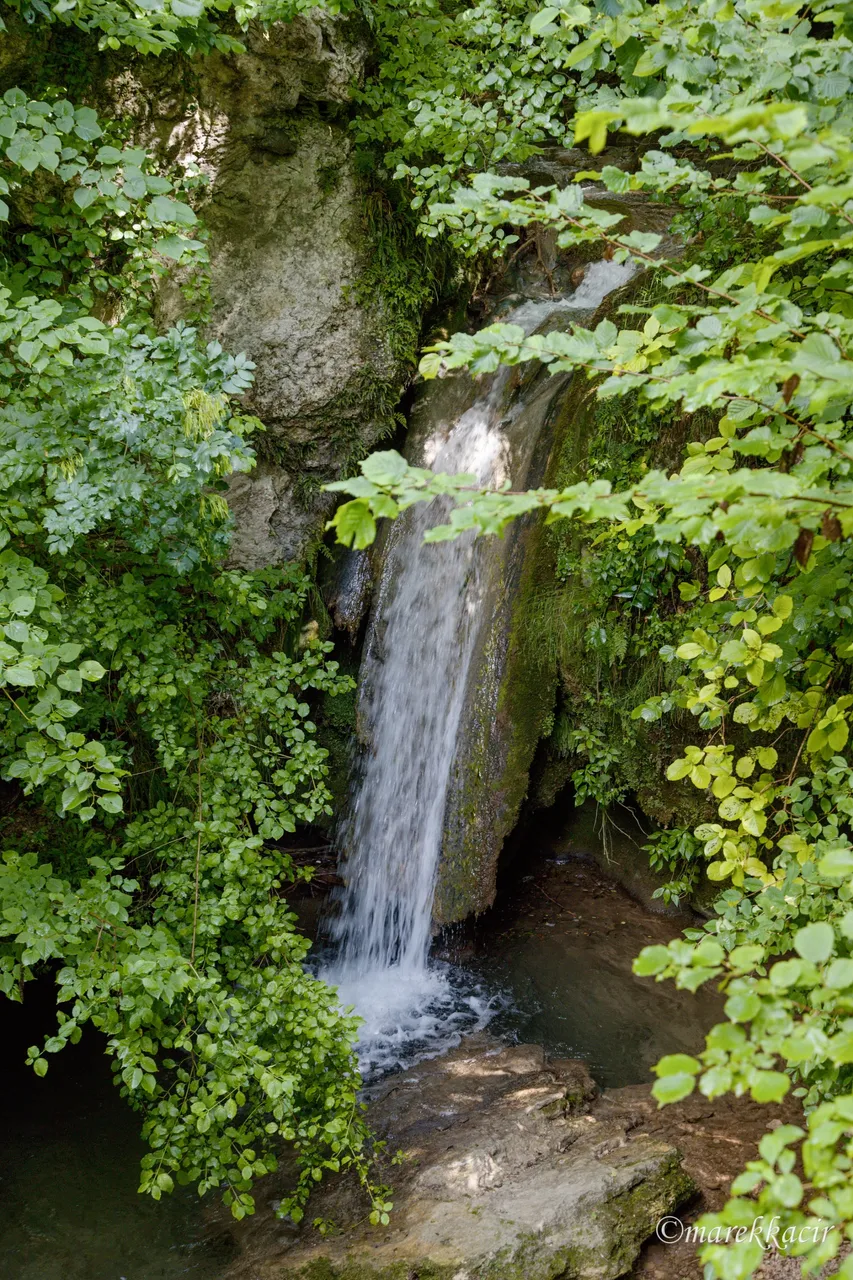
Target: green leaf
{"x":354,"y":524}
{"x":742,"y":1006}
{"x":91,"y":670}
{"x":651,"y":960}
{"x":715,"y":1081}
{"x":647,"y":63}
{"x":788,"y":1189}
{"x":815,"y":942}
{"x":583,"y":50}
{"x":674,"y":1087}
{"x":83,"y":197}
{"x":746,"y":956}
{"x":385,"y":468}
{"x":543,"y":19}
{"x":841,"y":1049}
{"x":676,"y":1063}
{"x":86,"y":124}
{"x":786,"y":973}
{"x":162,"y":209}
{"x":20,"y":675}
{"x":769,"y":1086}
{"x":840,"y":974}
{"x":837,"y":862}
{"x":754,"y":822}
{"x":178,"y":247}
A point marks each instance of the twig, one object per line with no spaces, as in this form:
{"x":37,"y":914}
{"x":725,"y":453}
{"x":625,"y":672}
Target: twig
{"x":550,"y":899}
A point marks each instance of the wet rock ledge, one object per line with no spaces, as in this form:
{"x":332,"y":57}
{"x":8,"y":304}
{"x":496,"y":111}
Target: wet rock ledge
{"x":514,"y":1169}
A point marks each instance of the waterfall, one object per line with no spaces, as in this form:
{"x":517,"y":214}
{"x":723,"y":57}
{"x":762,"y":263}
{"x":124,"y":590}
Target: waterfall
{"x":430,"y":609}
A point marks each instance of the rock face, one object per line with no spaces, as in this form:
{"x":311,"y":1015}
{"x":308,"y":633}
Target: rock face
{"x":512,"y":696}
{"x":288,"y":245}
{"x":507,"y":699}
{"x":512,"y":1171}
{"x":289,"y":242}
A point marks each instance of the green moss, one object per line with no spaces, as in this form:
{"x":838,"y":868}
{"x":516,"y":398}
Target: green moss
{"x":324,"y":1269}
{"x":529,"y":689}
{"x":336,"y":717}
{"x":328,"y":178}
{"x":411,"y":276}
{"x":606,"y":607}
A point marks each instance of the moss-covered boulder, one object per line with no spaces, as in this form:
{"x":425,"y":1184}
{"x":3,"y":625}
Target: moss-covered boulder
{"x":289,"y":244}
{"x":512,"y":1170}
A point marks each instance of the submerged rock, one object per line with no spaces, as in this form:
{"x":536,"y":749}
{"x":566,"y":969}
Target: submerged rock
{"x":512,"y":1170}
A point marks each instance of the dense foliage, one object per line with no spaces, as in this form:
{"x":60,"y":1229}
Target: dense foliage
{"x":166,"y":25}
{"x":156,"y":731}
{"x":745,"y":105}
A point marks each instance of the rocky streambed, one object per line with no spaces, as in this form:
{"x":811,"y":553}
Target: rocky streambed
{"x":516,"y":1167}
{"x":516,"y":1164}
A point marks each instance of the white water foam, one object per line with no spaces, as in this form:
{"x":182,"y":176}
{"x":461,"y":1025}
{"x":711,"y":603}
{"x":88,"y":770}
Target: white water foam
{"x":418,"y":654}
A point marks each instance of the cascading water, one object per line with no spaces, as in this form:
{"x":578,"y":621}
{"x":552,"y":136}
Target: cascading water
{"x":430,"y":609}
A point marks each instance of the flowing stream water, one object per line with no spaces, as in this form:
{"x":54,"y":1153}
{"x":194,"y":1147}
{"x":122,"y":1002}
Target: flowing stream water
{"x":430,"y":608}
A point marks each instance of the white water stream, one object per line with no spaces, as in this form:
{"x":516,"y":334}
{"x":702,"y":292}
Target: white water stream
{"x":422,"y":636}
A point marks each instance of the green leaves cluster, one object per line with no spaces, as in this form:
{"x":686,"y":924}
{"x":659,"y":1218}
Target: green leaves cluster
{"x":162,"y":26}
{"x":176,"y":940}
{"x":460,"y":88}
{"x":156,"y":715}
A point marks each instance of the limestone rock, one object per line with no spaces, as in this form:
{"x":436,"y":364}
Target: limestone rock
{"x":269,"y":128}
{"x":511,"y":1171}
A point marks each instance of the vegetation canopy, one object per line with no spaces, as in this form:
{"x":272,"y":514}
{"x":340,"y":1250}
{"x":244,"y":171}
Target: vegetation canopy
{"x":156,"y":729}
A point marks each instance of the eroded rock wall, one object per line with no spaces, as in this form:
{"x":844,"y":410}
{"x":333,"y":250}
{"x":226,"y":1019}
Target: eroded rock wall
{"x":289,"y":241}
{"x":287,"y":247}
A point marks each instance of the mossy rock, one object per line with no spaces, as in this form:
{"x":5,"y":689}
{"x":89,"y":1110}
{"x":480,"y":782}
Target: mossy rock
{"x":493,"y":1185}
{"x":513,"y":695}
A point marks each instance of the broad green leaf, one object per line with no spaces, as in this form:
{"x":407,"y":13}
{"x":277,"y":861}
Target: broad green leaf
{"x":815,"y":942}
{"x":673,"y":1088}
{"x":651,"y":960}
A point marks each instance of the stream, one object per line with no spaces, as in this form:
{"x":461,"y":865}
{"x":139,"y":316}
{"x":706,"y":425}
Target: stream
{"x":69,"y":1169}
